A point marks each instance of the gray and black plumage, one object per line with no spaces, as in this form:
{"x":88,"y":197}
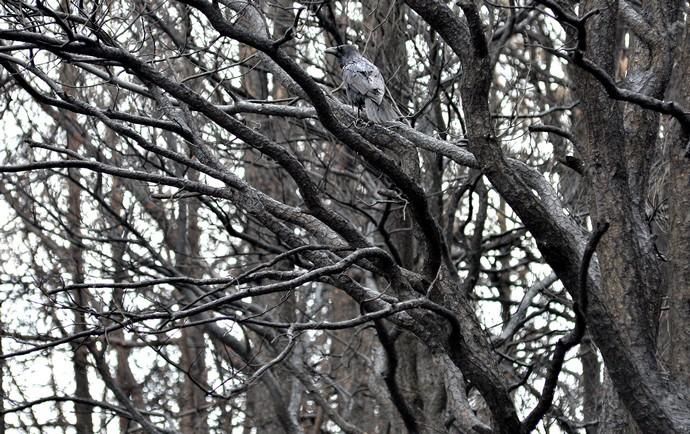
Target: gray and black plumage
{"x":364,"y":85}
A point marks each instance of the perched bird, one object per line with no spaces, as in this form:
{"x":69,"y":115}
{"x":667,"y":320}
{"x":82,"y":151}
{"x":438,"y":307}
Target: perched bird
{"x":364,"y":85}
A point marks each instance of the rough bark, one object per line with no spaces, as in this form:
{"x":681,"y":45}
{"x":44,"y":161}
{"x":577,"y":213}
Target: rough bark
{"x":357,"y":276}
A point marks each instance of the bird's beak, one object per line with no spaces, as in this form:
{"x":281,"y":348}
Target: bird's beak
{"x":332,"y":50}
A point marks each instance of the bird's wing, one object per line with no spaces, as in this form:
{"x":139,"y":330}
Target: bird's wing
{"x":364,"y":77}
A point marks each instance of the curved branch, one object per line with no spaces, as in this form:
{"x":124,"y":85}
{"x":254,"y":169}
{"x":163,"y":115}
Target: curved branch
{"x":117,"y":410}
{"x":388,"y":344}
{"x":680,"y":113}
{"x":568,"y":341}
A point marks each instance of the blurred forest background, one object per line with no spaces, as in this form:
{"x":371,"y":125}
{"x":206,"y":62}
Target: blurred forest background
{"x":200,"y":236}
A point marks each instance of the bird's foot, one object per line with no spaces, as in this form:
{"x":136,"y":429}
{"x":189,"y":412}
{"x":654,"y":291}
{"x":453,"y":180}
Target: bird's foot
{"x":360,"y":123}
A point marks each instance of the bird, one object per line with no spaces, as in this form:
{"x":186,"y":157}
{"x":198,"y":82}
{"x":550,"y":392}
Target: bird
{"x":364,"y":85}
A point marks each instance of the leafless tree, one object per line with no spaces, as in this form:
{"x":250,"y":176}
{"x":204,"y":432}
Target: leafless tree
{"x":200,"y":236}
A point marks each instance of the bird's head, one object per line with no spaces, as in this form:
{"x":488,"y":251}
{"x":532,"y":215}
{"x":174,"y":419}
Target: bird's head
{"x":343,"y":53}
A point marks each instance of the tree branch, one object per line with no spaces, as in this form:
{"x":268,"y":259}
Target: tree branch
{"x":570,"y":340}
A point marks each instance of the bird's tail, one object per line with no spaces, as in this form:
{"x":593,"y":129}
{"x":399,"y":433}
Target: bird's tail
{"x":384,"y":112}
